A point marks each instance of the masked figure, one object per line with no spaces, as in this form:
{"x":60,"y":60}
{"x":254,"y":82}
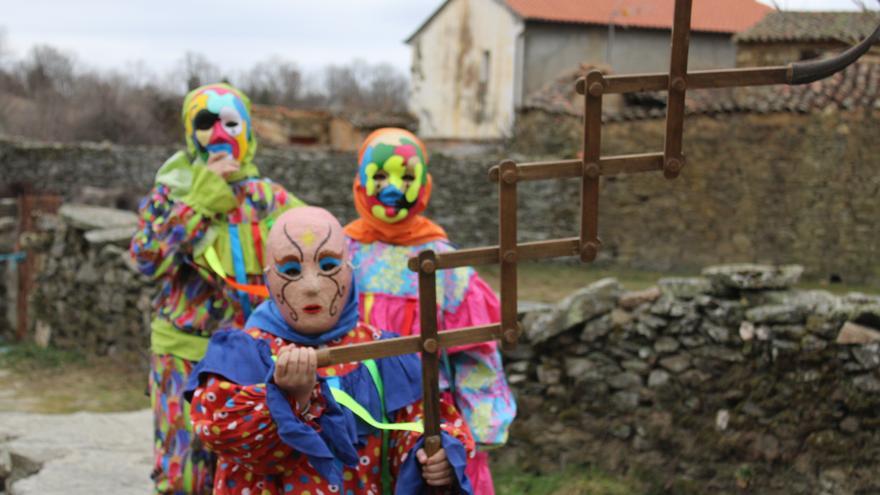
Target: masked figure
{"x":280,"y":424}
{"x":391,"y":189}
{"x":201,"y":235}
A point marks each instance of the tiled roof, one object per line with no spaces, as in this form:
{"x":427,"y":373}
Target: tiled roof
{"x":726,"y":16}
{"x":858,"y":86}
{"x":811,"y":26}
{"x":723,"y":16}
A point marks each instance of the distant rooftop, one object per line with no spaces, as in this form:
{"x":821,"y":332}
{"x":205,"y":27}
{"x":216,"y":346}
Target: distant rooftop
{"x":722,"y":16}
{"x":858,"y":86}
{"x":725,"y":16}
{"x":780,"y":26}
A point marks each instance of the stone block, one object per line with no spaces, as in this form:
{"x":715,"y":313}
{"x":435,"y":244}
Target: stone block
{"x":746,"y":276}
{"x":590,"y":302}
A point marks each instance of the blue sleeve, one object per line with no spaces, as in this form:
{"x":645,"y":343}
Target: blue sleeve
{"x":409,"y":478}
{"x":234,"y":355}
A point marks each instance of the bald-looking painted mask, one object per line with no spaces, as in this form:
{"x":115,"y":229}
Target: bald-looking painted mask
{"x":308,"y":277}
{"x":393,"y":170}
{"x":217,"y":120}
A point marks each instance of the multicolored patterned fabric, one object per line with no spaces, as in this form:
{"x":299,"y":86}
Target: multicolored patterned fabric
{"x":381,"y":268}
{"x":189,"y":210}
{"x":192,"y":297}
{"x":474,"y":375}
{"x":235,"y":420}
{"x":181,"y":465}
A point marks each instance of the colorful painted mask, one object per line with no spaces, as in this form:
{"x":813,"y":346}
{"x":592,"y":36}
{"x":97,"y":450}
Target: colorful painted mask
{"x":308,"y":275}
{"x":217,"y":119}
{"x":393,"y":170}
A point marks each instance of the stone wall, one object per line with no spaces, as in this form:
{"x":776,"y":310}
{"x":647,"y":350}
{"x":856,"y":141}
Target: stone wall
{"x":776,"y":188}
{"x":8,"y":264}
{"x":88,"y":295}
{"x":704,"y":385}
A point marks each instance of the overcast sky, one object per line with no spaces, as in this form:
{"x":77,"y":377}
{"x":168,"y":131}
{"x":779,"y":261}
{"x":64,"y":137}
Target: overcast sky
{"x":112,"y":34}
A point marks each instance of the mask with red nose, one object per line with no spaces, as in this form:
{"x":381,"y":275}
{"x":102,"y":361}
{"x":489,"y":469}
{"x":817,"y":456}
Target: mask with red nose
{"x":309,"y":277}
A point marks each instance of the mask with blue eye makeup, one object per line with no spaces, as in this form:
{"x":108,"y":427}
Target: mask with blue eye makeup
{"x":290,"y":269}
{"x":329,"y":263}
{"x":309,"y":278}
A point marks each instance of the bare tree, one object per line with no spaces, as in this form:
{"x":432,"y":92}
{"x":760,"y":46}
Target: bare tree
{"x":197,"y":70}
{"x":388,"y":89}
{"x":48,"y":69}
{"x":361,"y":86}
{"x":274,"y":82}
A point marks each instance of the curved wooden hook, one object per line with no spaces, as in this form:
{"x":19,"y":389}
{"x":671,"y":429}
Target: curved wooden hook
{"x":807,"y":72}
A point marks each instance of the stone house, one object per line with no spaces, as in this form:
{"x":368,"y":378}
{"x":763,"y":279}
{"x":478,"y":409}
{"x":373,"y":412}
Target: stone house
{"x":474,"y":62}
{"x":279,"y":126}
{"x":788,"y":36}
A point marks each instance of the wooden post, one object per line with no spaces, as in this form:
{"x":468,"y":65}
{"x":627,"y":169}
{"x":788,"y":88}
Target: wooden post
{"x":678,"y":60}
{"x":509,"y":329}
{"x":594,"y":89}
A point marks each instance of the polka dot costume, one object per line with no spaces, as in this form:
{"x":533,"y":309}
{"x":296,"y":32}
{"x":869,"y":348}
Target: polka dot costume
{"x":234,"y":421}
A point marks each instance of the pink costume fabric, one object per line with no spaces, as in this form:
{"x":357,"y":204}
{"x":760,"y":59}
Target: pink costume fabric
{"x":473,"y":374}
{"x":391,"y":189}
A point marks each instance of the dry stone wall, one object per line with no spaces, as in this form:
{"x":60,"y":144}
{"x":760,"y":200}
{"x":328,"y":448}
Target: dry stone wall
{"x":88,"y":295}
{"x":713,"y":384}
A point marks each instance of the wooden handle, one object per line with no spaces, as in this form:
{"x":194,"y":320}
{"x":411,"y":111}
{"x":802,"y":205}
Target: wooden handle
{"x":432,"y":444}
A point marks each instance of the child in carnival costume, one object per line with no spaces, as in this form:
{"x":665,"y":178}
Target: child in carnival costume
{"x":279,"y":424}
{"x":206,"y":216}
{"x":391,"y":189}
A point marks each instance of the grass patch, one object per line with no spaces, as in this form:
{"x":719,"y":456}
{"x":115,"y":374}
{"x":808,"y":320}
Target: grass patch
{"x":30,"y":357}
{"x":551,"y":281}
{"x":50,"y":380}
{"x":571,"y":481}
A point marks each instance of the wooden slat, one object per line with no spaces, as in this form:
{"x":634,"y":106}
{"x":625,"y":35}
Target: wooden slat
{"x":701,"y":79}
{"x":399,"y":346}
{"x":631,"y":164}
{"x":329,"y":356}
{"x":739,"y":77}
{"x":678,"y":60}
{"x":469,"y":335}
{"x":534,"y":250}
{"x":462,"y":257}
{"x":560,"y":169}
{"x":555,"y":248}
{"x":569,"y":169}
{"x":636,"y":83}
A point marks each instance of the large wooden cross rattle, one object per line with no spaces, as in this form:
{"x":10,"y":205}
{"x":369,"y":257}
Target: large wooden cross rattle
{"x":509,"y":252}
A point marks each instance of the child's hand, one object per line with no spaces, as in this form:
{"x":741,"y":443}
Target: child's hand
{"x":435,"y":469}
{"x":295,"y":371}
{"x":222,"y":164}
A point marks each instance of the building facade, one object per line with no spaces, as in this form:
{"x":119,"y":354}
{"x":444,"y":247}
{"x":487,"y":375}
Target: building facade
{"x":474,"y":62}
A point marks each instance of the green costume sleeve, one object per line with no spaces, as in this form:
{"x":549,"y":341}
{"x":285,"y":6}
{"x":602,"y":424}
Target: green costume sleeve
{"x":209,"y":193}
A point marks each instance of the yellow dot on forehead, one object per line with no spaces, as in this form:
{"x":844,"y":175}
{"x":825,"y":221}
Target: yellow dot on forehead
{"x":308,"y":238}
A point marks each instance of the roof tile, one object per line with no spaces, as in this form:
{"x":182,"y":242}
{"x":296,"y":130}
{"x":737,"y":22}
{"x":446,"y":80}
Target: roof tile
{"x":856,"y":86}
{"x":726,"y":16}
{"x":778,"y":26}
